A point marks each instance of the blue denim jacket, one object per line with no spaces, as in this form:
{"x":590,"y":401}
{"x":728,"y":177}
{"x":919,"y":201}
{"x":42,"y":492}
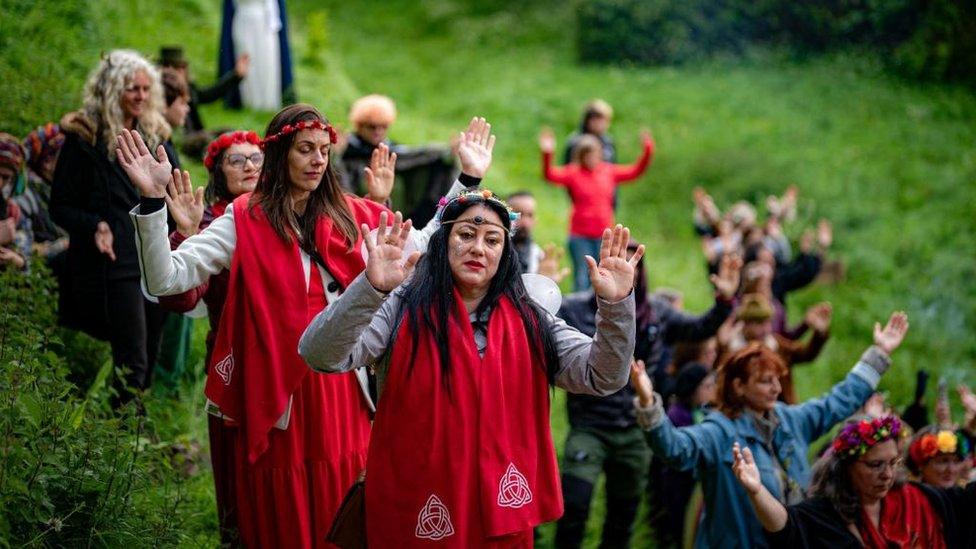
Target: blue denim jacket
{"x":728,"y":520}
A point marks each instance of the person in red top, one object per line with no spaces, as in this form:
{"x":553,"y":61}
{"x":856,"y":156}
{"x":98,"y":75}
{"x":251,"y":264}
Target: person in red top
{"x":591,"y":183}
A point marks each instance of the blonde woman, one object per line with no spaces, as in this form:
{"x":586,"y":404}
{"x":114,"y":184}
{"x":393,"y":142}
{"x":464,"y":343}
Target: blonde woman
{"x":91,"y":197}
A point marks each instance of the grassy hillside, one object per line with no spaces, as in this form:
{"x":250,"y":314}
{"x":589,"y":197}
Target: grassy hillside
{"x":891,"y":163}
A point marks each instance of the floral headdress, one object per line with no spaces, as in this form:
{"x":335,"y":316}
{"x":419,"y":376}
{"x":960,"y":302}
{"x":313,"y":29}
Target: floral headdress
{"x":289,"y":129}
{"x":929,"y":445}
{"x":223,"y":142}
{"x":855,"y":439}
{"x":478,"y":195}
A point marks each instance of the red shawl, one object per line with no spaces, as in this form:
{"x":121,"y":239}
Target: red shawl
{"x":471,"y":464}
{"x":255,"y":365}
{"x":907,"y":521}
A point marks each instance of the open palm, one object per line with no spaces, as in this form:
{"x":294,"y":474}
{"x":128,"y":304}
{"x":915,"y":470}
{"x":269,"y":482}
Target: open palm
{"x":148,"y":174}
{"x":889,"y":338}
{"x":475,"y":146}
{"x":613,"y":278}
{"x":385,"y":268}
{"x":380,"y":174}
{"x":185,"y":205}
{"x":744,"y":468}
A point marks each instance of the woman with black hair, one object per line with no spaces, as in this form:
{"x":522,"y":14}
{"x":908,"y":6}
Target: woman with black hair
{"x":290,"y":247}
{"x":461,"y":449}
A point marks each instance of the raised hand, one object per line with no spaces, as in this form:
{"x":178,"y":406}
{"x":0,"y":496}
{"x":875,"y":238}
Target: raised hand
{"x":825,"y":234}
{"x":889,"y":338}
{"x":149,"y":175}
{"x":646,"y":136}
{"x":547,"y":141}
{"x":185,"y":205}
{"x":8,"y":230}
{"x":242,"y":65}
{"x":730,"y":330}
{"x":726,"y":281}
{"x":818,"y":317}
{"x":641,"y":382}
{"x":549,"y":264}
{"x":745,"y":470}
{"x":385,"y":269}
{"x":613,"y":278}
{"x":104,"y":240}
{"x":875,"y":406}
{"x":968,"y":400}
{"x":380,"y":174}
{"x":474,"y":148}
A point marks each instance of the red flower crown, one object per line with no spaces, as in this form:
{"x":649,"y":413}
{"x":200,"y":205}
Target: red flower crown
{"x":856,"y":438}
{"x":289,"y":129}
{"x":221,"y":144}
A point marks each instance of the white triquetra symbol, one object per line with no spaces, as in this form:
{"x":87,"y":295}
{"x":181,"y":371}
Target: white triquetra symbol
{"x":513,"y":489}
{"x":434,"y":520}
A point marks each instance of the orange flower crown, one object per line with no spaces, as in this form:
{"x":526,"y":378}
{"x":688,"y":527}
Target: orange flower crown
{"x":930,"y":445}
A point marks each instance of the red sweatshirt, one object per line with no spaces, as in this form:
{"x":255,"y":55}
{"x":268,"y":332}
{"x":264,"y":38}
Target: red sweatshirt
{"x":592,"y":191}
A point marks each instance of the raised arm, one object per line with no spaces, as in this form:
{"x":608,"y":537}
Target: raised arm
{"x":815,"y":417}
{"x":355,"y":330}
{"x":598,"y":366}
{"x":771,"y":513}
{"x":623,"y":173}
{"x":553,"y":174}
{"x":683,"y":449}
{"x":201,"y":255}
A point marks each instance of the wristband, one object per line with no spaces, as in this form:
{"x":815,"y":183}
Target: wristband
{"x":469,"y":180}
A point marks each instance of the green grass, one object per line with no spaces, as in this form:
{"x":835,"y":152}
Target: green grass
{"x":890,"y":162}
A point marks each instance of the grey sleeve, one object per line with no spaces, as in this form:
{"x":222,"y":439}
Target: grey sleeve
{"x":351,"y":332}
{"x":598,"y":366}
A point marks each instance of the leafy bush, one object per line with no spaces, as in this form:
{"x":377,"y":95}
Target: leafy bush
{"x":931,"y":39}
{"x":71,"y":472}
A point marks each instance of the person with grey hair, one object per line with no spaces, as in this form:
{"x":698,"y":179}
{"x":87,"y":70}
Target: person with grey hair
{"x":91,"y":197}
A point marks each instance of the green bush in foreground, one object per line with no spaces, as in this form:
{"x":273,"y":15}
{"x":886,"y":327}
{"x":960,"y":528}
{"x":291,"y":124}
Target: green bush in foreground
{"x":72,"y":474}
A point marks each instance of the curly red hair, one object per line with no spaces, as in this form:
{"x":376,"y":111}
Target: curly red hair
{"x":752,"y":359}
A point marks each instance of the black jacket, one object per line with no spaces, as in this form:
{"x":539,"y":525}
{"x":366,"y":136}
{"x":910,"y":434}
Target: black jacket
{"x":667,"y":326}
{"x":202,"y":96}
{"x":88,"y":188}
{"x":816,"y":522}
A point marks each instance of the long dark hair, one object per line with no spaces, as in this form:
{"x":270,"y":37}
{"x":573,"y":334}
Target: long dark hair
{"x":428,"y":298}
{"x":272,"y":188}
{"x":217,"y":183}
{"x":831,"y":479}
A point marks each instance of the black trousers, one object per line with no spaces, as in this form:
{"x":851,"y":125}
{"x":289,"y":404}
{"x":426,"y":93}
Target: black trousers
{"x":135,"y":326}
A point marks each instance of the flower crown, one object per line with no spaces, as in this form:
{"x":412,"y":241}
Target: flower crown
{"x":223,"y":142}
{"x":478,"y":195}
{"x":929,"y":445}
{"x":856,"y":438}
{"x":289,"y":129}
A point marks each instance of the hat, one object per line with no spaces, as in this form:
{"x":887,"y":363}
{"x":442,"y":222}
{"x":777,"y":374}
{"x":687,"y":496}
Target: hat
{"x":689,"y":378}
{"x":11,"y":153}
{"x":172,"y":56}
{"x":754,"y":308}
{"x":41,"y":143}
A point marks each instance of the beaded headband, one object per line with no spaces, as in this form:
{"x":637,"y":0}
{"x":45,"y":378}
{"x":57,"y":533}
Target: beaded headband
{"x":289,"y":129}
{"x":223,"y":142}
{"x":857,"y":438}
{"x":475,"y":196}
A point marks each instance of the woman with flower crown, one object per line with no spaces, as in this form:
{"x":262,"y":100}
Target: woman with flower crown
{"x":462,"y":453}
{"x":859,"y":500}
{"x":749,"y":413}
{"x":936,"y":455}
{"x":291,"y":247}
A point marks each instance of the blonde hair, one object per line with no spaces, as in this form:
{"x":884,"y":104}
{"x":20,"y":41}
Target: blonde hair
{"x":599,"y":107}
{"x":585,"y":144}
{"x":373,"y":108}
{"x":103,"y":99}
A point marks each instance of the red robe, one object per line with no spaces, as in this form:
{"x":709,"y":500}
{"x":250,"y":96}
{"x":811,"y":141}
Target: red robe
{"x":289,"y":481}
{"x":908,"y":521}
{"x":473,"y":467}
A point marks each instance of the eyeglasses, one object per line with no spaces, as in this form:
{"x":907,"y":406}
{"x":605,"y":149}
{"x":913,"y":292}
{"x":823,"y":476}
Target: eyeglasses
{"x":878,"y":465}
{"x":239,"y":160}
